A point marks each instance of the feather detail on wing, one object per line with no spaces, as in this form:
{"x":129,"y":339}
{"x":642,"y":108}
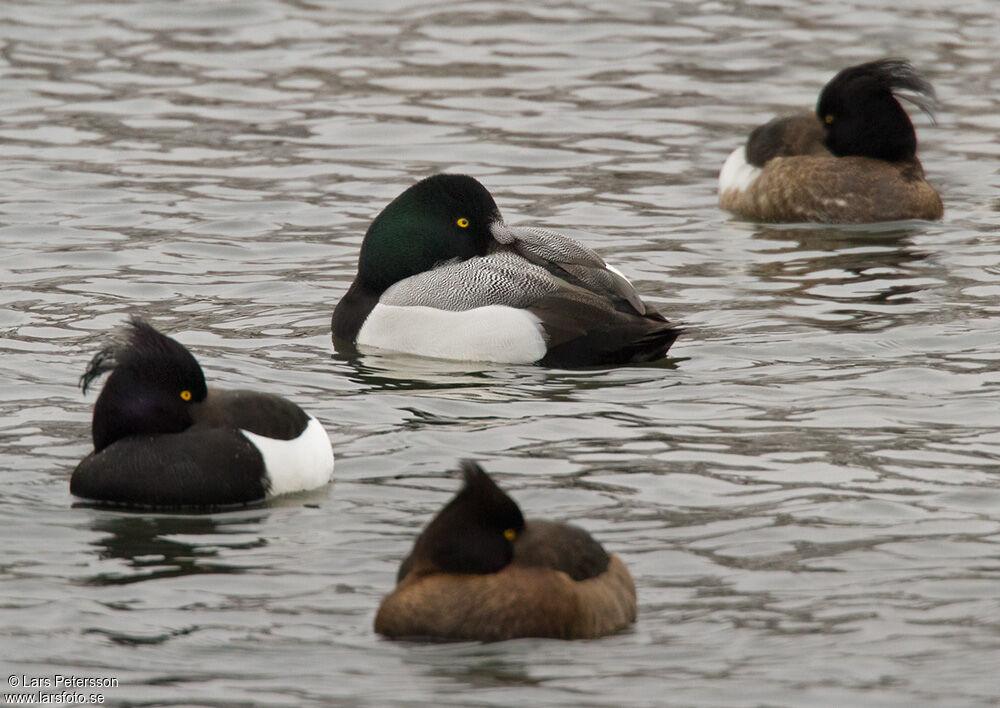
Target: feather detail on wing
{"x":583,"y":329}
{"x":786,"y":136}
{"x":570,"y":260}
{"x":502,"y":278}
{"x":589,"y":313}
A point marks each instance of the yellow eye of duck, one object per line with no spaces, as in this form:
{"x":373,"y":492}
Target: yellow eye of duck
{"x":185,"y":395}
{"x":463,"y":222}
{"x":828,"y":119}
{"x":510,"y":534}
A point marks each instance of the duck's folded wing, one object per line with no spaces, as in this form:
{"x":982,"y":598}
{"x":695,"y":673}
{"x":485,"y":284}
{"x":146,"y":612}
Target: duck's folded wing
{"x":785,"y":136}
{"x":583,"y":329}
{"x":502,"y":278}
{"x":570,"y":260}
{"x":586,"y":320}
{"x":531,"y":264}
{"x":548,"y":544}
{"x":260,"y":413}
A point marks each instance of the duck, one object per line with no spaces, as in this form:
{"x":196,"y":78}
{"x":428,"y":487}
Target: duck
{"x":441,"y":275}
{"x":163,"y":440}
{"x":852,"y":161}
{"x":480,"y":572}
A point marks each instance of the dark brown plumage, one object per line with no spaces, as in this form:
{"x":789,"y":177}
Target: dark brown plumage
{"x":545,"y":579}
{"x":853,"y":161}
{"x":836,"y":190}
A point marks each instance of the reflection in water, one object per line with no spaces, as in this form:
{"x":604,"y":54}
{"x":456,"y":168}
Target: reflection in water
{"x":399,"y":372}
{"x":474,"y":665}
{"x":856,"y":251}
{"x":856,"y":269}
{"x":152,"y":549}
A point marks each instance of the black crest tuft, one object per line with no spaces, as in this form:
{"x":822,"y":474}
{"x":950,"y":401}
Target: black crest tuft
{"x":897,"y":75}
{"x":103,"y":362}
{"x":153,"y":383}
{"x":862,"y":115}
{"x":490,"y":502}
{"x":137,"y":343}
{"x":469,"y":535}
{"x":475,"y":476}
{"x":893,"y":75}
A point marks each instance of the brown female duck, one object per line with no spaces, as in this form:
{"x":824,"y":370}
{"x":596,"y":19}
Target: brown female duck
{"x":479,"y":571}
{"x":854,"y":161}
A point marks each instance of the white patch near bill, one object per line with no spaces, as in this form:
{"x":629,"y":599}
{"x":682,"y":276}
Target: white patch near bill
{"x":295,"y":465}
{"x":737,"y":174}
{"x":497,"y":333}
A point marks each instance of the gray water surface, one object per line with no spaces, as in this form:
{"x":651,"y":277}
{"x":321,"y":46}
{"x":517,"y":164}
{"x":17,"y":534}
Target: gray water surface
{"x":807,"y":493}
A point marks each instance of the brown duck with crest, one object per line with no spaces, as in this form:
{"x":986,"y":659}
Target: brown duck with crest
{"x":853,"y":161}
{"x":479,"y":571}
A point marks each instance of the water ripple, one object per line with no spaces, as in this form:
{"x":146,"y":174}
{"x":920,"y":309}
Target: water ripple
{"x":806,"y":492}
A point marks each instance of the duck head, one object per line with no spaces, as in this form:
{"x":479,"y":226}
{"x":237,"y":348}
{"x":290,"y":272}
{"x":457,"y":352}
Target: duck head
{"x":154,"y":382}
{"x":473,"y":533}
{"x":441,"y":218}
{"x":861,"y":114}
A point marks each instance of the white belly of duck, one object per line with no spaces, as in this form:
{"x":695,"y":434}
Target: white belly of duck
{"x":737,"y":174}
{"x":305,"y":462}
{"x":506,"y":335}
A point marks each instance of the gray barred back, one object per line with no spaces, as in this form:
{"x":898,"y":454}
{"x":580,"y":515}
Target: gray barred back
{"x":501,"y":278}
{"x":541,"y":244}
{"x":582,"y":265}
